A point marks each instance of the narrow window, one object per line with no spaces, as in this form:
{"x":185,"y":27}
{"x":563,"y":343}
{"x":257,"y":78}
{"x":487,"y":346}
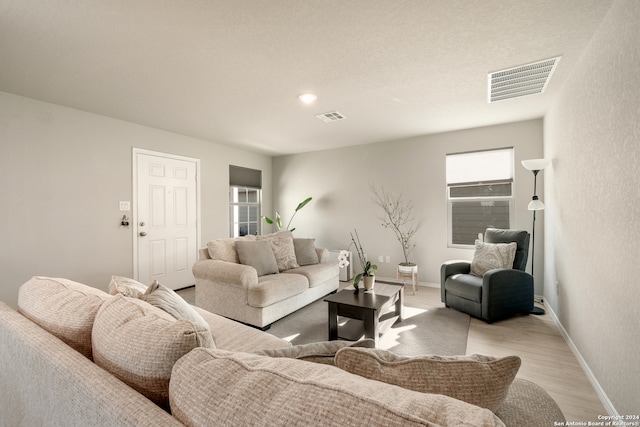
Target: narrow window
{"x":245,"y":200}
{"x":479,"y":194}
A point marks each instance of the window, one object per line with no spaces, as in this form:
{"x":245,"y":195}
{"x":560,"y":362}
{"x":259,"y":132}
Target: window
{"x":245,"y":199}
{"x":479,"y":193}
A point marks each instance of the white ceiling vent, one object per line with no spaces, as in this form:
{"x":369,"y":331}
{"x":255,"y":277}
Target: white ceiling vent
{"x":521,"y":81}
{"x":333,"y":116}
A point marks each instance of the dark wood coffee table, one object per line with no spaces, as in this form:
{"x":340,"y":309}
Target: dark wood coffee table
{"x":367,"y":311}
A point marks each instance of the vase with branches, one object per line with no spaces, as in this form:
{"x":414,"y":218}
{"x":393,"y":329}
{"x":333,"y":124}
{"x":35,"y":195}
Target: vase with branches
{"x":368,"y":269}
{"x":397,"y":217}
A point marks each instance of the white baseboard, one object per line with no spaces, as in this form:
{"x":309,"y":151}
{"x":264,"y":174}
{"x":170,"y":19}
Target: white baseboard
{"x":585,"y":367}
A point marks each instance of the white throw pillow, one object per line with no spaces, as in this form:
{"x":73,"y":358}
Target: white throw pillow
{"x":166,"y":299}
{"x":489,"y":256}
{"x":126,"y":286}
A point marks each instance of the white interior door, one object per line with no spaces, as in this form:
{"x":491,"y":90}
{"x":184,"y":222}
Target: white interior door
{"x":166,"y":215}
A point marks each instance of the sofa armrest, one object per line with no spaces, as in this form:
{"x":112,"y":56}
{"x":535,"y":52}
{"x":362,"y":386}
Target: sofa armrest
{"x":450,"y":268}
{"x":505,"y":289}
{"x":225,"y":272}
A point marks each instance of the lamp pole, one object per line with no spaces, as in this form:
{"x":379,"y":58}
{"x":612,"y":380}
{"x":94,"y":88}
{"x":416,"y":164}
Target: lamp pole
{"x":535,"y":166}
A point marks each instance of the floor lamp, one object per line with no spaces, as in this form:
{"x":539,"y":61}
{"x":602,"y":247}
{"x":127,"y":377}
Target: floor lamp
{"x":535,"y":166}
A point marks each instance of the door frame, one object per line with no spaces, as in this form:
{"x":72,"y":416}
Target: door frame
{"x":134,"y":214}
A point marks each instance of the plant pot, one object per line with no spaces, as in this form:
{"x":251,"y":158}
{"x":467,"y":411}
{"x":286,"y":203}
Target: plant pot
{"x":407,"y":268}
{"x":369,"y":282}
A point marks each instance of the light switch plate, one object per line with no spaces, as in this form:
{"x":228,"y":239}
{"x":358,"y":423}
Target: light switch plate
{"x":125,"y":206}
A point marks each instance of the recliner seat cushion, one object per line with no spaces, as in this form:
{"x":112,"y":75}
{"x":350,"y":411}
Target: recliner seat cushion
{"x":274,"y":288}
{"x":465,"y":286}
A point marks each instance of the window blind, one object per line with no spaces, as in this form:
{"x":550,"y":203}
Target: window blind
{"x":245,"y":177}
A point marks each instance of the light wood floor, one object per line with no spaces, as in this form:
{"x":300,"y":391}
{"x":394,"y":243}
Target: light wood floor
{"x":546,"y":358}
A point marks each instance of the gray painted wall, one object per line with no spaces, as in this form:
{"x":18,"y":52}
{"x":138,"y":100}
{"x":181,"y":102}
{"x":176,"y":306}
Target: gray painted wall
{"x":592,"y":133}
{"x":339,"y":182}
{"x":62,"y":174}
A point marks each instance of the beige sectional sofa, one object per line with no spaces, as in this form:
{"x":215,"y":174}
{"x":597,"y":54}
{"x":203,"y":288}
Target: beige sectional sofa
{"x":259,"y":279}
{"x":73,"y":355}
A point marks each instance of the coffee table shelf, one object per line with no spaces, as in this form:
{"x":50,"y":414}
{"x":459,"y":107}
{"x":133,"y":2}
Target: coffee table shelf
{"x":370,"y":313}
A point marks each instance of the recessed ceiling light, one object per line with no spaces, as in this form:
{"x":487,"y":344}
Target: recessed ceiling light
{"x":308,"y":98}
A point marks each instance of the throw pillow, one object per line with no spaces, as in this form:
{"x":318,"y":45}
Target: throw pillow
{"x":258,"y":255}
{"x":318,"y":352}
{"x":139,"y":344}
{"x":480,"y":380}
{"x":127,"y":287}
{"x":225,"y":249}
{"x":489,"y":256}
{"x":62,"y":307}
{"x":283,"y":249}
{"x":166,"y":299}
{"x":305,"y":250}
{"x":217,"y":387}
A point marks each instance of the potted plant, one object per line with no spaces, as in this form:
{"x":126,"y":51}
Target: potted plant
{"x":277,"y":224}
{"x":368,"y":269}
{"x":397,"y":217}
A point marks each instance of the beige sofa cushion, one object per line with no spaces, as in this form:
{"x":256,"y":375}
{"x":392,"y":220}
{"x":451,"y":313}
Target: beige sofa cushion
{"x":139,"y":343}
{"x":235,"y":336}
{"x":225,"y":249}
{"x":318,"y":352}
{"x":480,"y":380}
{"x":283,"y":249}
{"x":274,"y":288}
{"x":317,"y":274}
{"x":126,"y":286}
{"x":216,"y":387}
{"x":64,"y":308}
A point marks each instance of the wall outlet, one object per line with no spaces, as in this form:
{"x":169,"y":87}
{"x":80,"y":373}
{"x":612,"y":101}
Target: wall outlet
{"x":380,"y":258}
{"x":388,"y":258}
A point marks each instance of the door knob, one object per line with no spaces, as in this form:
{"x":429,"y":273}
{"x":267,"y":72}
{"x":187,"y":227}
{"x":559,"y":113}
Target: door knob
{"x":143,"y":233}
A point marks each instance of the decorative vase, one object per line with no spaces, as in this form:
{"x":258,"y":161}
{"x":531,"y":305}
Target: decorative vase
{"x":369,"y":281}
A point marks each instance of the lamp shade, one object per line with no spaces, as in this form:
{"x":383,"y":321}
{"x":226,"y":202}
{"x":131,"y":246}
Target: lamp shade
{"x":535,"y":164}
{"x":535,"y":205}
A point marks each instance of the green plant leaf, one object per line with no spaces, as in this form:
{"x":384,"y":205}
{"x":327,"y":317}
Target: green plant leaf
{"x":267,"y":220}
{"x":278,"y":221}
{"x":303,"y":203}
{"x":356,"y":279}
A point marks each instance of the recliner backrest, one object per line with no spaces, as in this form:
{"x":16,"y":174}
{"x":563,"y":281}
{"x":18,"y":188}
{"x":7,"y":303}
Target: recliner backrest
{"x":521,"y":237}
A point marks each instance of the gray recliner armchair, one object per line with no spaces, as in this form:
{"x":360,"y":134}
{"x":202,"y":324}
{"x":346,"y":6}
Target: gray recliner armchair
{"x":500,"y":293}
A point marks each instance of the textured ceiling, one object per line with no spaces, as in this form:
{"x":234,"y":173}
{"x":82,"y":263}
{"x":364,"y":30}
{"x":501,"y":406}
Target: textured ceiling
{"x":231,"y":71}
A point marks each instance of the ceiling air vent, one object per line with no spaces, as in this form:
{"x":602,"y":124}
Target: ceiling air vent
{"x":333,"y":116}
{"x":521,"y":81}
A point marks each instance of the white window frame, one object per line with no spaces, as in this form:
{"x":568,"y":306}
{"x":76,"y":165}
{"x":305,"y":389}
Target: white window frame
{"x":484,"y":178}
{"x":234,"y":222}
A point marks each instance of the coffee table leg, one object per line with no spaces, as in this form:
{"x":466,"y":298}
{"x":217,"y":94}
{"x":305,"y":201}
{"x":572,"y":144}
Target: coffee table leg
{"x":333,"y":321}
{"x":400,"y":305}
{"x":371,"y":325}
